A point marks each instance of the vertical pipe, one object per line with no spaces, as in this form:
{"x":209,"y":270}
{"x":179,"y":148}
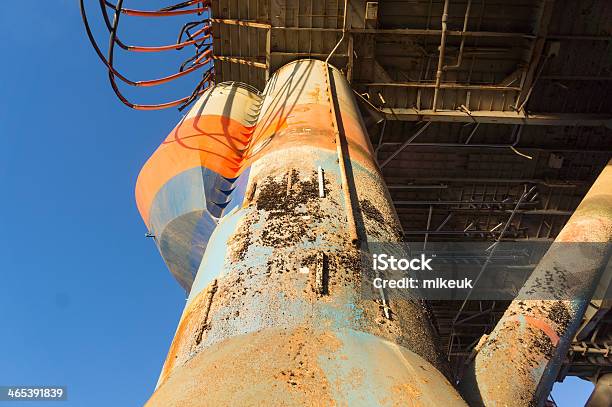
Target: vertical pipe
{"x":533,"y":336}
{"x":460,"y":56}
{"x":442,"y":50}
{"x":343,"y":32}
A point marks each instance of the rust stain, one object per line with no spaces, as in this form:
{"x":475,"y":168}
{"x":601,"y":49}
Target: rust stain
{"x":261,"y":338}
{"x":528,"y":336}
{"x":290,"y":375}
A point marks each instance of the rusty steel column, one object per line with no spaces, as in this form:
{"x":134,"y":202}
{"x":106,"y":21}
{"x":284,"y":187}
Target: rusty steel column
{"x":518,"y":362}
{"x":275,"y":315}
{"x":602,"y":393}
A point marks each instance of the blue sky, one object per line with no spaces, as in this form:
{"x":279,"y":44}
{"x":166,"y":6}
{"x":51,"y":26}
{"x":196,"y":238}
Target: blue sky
{"x":85,"y":299}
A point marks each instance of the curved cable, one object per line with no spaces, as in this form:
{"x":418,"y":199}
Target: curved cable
{"x":137,"y":48}
{"x":152,"y":82}
{"x":112,"y":72}
{"x":165,"y":12}
{"x":108,"y":62}
{"x":201,"y":88}
{"x":96,"y":48}
{"x":159,"y":48}
{"x":180,"y":5}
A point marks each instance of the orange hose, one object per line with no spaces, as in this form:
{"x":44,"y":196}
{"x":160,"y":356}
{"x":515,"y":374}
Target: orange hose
{"x":136,"y":48}
{"x":167,"y":104}
{"x":142,"y":13}
{"x":165,"y":79}
{"x":114,"y":73}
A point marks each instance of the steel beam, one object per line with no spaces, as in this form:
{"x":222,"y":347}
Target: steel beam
{"x":306,"y":54}
{"x":550,"y":184}
{"x":485,"y":212}
{"x":499,"y":117}
{"x":242,"y":61}
{"x":244,"y":23}
{"x":463,"y":86}
{"x":570,"y":37}
{"x":405,"y":144}
{"x":576,"y":78}
{"x":459,"y":203}
{"x":437,"y":33}
{"x":382,"y":31}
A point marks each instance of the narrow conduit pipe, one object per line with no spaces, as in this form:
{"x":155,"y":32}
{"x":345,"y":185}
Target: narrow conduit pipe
{"x":465,"y":23}
{"x":343,"y":33}
{"x":441,"y":55}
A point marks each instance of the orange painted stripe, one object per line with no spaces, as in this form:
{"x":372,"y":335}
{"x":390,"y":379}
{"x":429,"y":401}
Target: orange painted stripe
{"x":213,"y":142}
{"x":544,"y":327}
{"x":538,"y":324}
{"x":226,"y":146}
{"x":316,"y":117}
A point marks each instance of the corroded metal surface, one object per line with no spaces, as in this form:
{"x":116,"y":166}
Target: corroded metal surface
{"x":602,"y":393}
{"x":519,"y":361}
{"x":275,"y":314}
{"x":306,"y":366}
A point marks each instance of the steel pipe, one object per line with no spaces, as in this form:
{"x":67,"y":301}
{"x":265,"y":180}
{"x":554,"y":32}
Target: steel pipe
{"x":343,"y":32}
{"x":497,"y":117}
{"x":276,"y":315}
{"x":442,"y":50}
{"x":462,"y":86}
{"x":242,"y":61}
{"x":465,"y":24}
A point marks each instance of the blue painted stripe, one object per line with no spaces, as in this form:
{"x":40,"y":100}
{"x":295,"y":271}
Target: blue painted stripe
{"x":185,"y":212}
